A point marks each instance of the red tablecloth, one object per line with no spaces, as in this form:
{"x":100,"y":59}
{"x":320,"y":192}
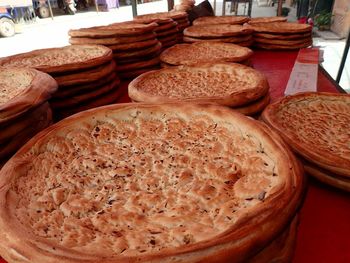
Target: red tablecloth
{"x":324,"y":230}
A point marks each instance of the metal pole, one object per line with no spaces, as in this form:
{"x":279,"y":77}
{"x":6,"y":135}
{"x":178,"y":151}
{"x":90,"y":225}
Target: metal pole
{"x":343,"y":59}
{"x":50,"y":9}
{"x":223,"y":7}
{"x":134,"y":7}
{"x":214,"y":7}
{"x":170,"y":4}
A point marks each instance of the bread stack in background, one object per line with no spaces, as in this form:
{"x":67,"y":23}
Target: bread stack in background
{"x":204,"y":52}
{"x":267,"y":19}
{"x":220,"y":20}
{"x":24,"y":110}
{"x":316,"y":125}
{"x":85,"y":74}
{"x":236,"y":34}
{"x":184,"y":5}
{"x":166,"y":33}
{"x":135,"y":46}
{"x":281,"y":35}
{"x":234,"y":85}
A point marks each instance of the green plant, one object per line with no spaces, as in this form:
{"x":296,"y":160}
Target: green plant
{"x":285,"y":11}
{"x":322,"y":19}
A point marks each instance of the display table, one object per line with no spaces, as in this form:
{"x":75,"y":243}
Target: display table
{"x":324,"y":228}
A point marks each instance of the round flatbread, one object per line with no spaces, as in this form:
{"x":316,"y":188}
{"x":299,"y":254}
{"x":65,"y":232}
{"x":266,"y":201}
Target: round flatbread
{"x":148,"y":183}
{"x":168,"y":44}
{"x":162,"y":15}
{"x":228,"y":84}
{"x":167,"y":26}
{"x":222,"y":39}
{"x":291,"y":47}
{"x":281,"y":28}
{"x":214,"y":31}
{"x":282,"y":36}
{"x":61,"y":60}
{"x":22,"y":89}
{"x":218,"y":20}
{"x":112,"y":41}
{"x":187,"y":54}
{"x":288,"y":42}
{"x":166,"y":33}
{"x":134,"y":46}
{"x":316,"y":126}
{"x":257,"y":20}
{"x":113,"y":30}
{"x":137,"y":53}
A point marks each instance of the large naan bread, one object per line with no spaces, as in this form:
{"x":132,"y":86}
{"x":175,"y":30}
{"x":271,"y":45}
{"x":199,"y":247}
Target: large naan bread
{"x":269,"y":19}
{"x":22,"y":89}
{"x":60,"y":60}
{"x":227,"y":84}
{"x":215,"y":20}
{"x":214,"y":31}
{"x":280,"y":28}
{"x":148,"y":183}
{"x":315,"y":125}
{"x":203,"y":52}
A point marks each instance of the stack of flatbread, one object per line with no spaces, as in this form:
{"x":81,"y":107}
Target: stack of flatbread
{"x":203,"y":52}
{"x":24,"y":110}
{"x":86,"y":75}
{"x":281,"y":35}
{"x":184,"y":5}
{"x":228,"y":33}
{"x":168,"y":32}
{"x":134,"y":45}
{"x":317,"y":127}
{"x":229,"y":84}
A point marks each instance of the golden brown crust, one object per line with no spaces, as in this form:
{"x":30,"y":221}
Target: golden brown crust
{"x":137,"y":65}
{"x":291,"y":47}
{"x":222,"y":39}
{"x":57,"y":60}
{"x":137,"y":53}
{"x":136,"y":72}
{"x":280,"y":28}
{"x":258,"y":217}
{"x":316,"y":125}
{"x":161,"y":15}
{"x":26,"y":120}
{"x":282,"y":36}
{"x":71,"y":101}
{"x":327,"y":177}
{"x":113,"y":30}
{"x":283,"y":42}
{"x":166,"y":26}
{"x":72,"y":90}
{"x":226,"y":84}
{"x":22,"y":89}
{"x":215,"y":20}
{"x":202,"y":52}
{"x":271,"y":19}
{"x":15,"y":142}
{"x":214,"y":31}
{"x":255,"y":107}
{"x":87,"y":76}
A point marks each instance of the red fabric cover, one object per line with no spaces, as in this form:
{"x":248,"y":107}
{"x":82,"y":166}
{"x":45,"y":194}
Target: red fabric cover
{"x":324,"y":228}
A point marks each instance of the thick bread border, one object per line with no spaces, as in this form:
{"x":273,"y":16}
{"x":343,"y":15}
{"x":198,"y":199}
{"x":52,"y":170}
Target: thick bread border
{"x":252,"y":232}
{"x":237,"y":98}
{"x":311,"y":153}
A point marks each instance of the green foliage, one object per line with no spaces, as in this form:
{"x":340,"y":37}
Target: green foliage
{"x":324,"y":18}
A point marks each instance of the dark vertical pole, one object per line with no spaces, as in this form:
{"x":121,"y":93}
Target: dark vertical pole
{"x":134,"y":7}
{"x":50,"y":9}
{"x":279,"y":8}
{"x":343,"y":59}
{"x":170,"y":4}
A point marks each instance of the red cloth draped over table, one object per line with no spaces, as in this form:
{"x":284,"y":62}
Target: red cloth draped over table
{"x":324,"y":228}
